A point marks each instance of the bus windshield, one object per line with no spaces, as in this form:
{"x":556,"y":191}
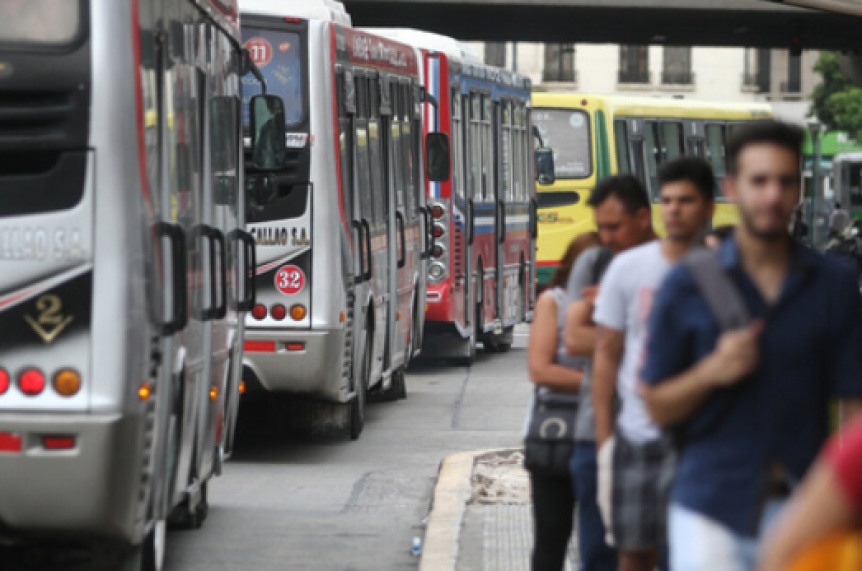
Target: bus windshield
{"x":567,"y":132}
{"x":39,"y":21}
{"x":279,"y":56}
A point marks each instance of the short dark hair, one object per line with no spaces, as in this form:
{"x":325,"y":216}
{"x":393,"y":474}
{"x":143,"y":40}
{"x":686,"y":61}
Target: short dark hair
{"x":625,"y":188}
{"x":690,"y":169}
{"x":772,"y":132}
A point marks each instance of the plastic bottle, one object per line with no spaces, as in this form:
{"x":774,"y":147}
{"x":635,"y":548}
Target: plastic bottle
{"x":416,"y":550}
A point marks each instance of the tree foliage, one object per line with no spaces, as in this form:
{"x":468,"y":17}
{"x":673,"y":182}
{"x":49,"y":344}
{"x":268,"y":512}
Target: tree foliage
{"x":835,"y":101}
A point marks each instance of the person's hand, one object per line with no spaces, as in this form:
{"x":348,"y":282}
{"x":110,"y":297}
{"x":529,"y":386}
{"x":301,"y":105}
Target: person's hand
{"x":735,"y":355}
{"x":590,"y":294}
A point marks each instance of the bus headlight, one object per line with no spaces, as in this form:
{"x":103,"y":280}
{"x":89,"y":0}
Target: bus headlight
{"x":436,"y":271}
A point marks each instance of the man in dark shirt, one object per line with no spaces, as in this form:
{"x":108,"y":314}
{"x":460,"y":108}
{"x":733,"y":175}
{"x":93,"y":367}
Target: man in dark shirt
{"x":751,"y":405}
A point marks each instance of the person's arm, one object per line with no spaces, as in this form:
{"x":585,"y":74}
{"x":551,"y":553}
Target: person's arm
{"x":580,"y":330}
{"x":672,"y":400}
{"x":606,"y":364}
{"x":542,"y":350}
{"x":846,"y":360}
{"x":818,"y":508}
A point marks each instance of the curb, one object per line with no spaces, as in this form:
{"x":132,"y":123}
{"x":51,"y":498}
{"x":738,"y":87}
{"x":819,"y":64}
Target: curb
{"x":453,"y":490}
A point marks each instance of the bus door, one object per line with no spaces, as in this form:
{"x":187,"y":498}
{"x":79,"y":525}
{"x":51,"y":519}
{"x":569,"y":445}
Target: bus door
{"x":505,"y":202}
{"x":490,"y":219}
{"x":371,"y":213}
{"x":182,"y":125}
{"x":463,"y":214}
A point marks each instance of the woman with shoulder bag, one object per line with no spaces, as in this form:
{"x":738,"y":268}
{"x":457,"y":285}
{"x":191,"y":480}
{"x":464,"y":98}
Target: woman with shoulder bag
{"x":550,"y":428}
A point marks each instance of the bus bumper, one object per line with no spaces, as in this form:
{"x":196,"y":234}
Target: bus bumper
{"x":318,"y":369}
{"x":93,"y":488}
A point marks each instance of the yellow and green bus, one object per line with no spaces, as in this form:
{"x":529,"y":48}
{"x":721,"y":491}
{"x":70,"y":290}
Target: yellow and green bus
{"x":595,"y":136}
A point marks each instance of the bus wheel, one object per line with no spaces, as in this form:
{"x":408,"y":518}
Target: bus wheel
{"x":398,"y":387}
{"x":497,"y":347}
{"x":357,"y":405}
{"x":184,"y":518}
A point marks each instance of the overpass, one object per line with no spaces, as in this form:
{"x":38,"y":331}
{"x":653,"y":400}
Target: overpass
{"x":750,"y":23}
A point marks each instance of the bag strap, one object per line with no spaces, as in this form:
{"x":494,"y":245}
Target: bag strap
{"x":718,"y":290}
{"x":600,"y":264}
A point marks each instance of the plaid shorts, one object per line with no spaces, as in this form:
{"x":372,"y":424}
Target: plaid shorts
{"x":641,"y":480}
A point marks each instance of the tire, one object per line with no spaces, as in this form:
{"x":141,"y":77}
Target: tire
{"x":397,"y":388}
{"x":183,"y":518}
{"x":495,"y":347}
{"x":357,"y":405}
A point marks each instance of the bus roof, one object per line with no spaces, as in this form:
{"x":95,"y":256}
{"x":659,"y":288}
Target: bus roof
{"x":848,"y":158}
{"x":654,"y":106}
{"x":328,"y":10}
{"x":429,"y":41}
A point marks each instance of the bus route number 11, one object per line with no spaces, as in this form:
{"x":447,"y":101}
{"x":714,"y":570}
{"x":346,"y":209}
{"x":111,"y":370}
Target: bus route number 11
{"x":290,"y":280}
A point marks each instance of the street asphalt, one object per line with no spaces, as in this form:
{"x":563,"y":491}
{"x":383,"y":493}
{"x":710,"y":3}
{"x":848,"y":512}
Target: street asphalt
{"x":285,"y":504}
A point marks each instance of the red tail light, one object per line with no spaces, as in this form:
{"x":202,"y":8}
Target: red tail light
{"x":10,"y":442}
{"x":31,"y":382}
{"x":296,"y":346}
{"x":437,"y":211}
{"x":260,"y":346}
{"x":259,"y":312}
{"x":438,"y":230}
{"x":4,"y":381}
{"x":278,"y":312}
{"x":58,"y":442}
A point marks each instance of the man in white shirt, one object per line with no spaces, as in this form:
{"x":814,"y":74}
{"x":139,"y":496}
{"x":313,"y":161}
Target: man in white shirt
{"x":838,"y":220}
{"x":641,"y":457}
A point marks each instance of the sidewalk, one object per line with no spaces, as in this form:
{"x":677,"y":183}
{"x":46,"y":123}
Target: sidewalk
{"x":481,"y":516}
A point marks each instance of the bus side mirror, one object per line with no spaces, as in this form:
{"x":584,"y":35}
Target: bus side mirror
{"x":437,"y":157}
{"x":268,"y":132}
{"x":545,"y":166}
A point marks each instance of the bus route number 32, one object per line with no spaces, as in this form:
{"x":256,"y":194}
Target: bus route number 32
{"x":290,"y":280}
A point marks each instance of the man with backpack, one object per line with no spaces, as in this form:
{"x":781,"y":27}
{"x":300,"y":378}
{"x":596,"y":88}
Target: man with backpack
{"x":636,"y":461}
{"x":745,"y":379}
{"x":623,"y":220}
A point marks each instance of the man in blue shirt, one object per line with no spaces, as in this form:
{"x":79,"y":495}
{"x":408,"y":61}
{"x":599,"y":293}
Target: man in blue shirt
{"x":751,"y":406}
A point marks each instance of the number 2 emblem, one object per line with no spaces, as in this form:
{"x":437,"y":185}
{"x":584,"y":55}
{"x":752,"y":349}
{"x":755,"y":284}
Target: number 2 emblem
{"x":290,"y":280}
{"x":50,"y":322}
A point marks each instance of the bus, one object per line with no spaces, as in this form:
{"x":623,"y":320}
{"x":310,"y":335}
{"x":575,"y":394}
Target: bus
{"x":124,"y":267}
{"x":483,"y":216}
{"x":847,"y":182}
{"x":596,"y":136}
{"x":340,"y":229}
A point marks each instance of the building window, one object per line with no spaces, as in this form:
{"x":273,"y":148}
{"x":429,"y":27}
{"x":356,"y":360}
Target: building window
{"x":794,"y":74}
{"x":634,"y":64}
{"x":559,"y":63}
{"x":677,"y":66}
{"x":757,"y":70}
{"x":495,"y":54}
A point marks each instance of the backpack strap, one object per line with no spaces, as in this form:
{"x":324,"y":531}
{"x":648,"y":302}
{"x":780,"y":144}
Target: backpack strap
{"x":718,"y":290}
{"x":600,"y":264}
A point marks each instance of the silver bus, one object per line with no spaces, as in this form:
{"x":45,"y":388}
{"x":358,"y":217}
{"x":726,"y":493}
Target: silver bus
{"x":342,"y":230}
{"x":124,"y":266}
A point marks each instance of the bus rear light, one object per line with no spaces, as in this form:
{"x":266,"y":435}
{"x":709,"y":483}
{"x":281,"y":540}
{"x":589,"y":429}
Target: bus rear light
{"x":438,"y":230}
{"x":4,"y":381}
{"x":242,"y":387}
{"x":438,"y":211}
{"x":291,"y":20}
{"x":10,"y":442}
{"x":298,"y":312}
{"x":278,"y":312}
{"x":437,"y":250}
{"x":31,"y":382}
{"x":145,"y":391}
{"x":259,"y":312}
{"x":296,"y":346}
{"x":213,"y":393}
{"x":58,"y":442}
{"x":260,"y":346}
{"x":67,"y":383}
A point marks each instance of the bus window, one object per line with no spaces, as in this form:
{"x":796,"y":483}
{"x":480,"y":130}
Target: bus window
{"x":854,"y":172}
{"x":345,"y":145}
{"x":506,"y":150}
{"x":621,"y":139}
{"x":518,"y":165}
{"x":40,"y":22}
{"x":407,"y":159}
{"x":653,"y":156}
{"x":395,"y":150}
{"x":715,"y":136}
{"x":475,"y":157}
{"x":363,"y":167}
{"x":457,"y":145}
{"x":672,"y":140}
{"x":489,"y":166}
{"x":375,"y":154}
{"x":638,"y":155}
{"x":567,"y":132}
{"x":283,"y":75}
